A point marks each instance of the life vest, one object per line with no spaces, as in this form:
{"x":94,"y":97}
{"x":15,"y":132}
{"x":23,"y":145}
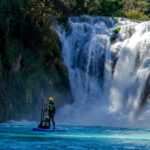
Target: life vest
{"x":51,"y":107}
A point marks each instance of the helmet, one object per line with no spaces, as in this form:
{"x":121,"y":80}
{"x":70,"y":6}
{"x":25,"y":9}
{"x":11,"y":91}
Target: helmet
{"x":46,"y":117}
{"x":51,"y":99}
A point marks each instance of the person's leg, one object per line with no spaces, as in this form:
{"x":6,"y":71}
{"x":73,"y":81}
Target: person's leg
{"x":53,"y":121}
{"x":50,"y":118}
{"x":49,"y":114}
{"x":47,"y":124}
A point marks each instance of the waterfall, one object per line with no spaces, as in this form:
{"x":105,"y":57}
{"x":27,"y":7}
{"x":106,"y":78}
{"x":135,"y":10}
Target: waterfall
{"x":109,"y":69}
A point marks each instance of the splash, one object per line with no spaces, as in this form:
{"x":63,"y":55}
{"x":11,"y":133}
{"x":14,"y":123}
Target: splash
{"x":109,"y":69}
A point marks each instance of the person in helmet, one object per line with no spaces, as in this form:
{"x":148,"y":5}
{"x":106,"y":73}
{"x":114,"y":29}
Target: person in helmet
{"x":51,"y":111}
{"x":47,"y":123}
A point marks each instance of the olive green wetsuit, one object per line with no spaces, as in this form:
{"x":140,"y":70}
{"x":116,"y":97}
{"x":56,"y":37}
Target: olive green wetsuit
{"x":51,"y":113}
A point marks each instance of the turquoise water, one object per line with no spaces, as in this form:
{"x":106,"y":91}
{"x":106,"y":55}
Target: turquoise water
{"x":19,"y":136}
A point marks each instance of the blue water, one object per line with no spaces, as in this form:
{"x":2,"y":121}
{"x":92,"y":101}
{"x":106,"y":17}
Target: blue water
{"x":21,"y":136}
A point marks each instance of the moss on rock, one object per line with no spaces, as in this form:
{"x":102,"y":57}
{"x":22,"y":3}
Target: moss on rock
{"x":30,"y":61}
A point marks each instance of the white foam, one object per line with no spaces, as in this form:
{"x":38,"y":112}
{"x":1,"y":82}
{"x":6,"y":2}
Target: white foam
{"x":99,"y":96}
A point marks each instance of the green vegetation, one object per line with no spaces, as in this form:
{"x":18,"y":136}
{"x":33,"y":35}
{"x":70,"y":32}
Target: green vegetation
{"x":117,"y":30}
{"x":115,"y":34}
{"x":30,"y":59}
{"x":133,"y":9}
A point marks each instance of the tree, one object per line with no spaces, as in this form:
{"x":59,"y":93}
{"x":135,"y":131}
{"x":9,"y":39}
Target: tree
{"x":80,"y":5}
{"x":93,"y":7}
{"x":136,"y":9}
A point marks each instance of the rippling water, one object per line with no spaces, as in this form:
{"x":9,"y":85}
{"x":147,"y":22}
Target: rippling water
{"x":20,"y":136}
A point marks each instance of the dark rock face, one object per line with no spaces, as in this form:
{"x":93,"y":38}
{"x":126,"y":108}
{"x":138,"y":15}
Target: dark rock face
{"x":30,"y":63}
{"x":146,"y":92}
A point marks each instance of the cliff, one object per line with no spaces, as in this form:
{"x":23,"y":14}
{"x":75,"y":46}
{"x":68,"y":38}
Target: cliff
{"x":31,"y":65}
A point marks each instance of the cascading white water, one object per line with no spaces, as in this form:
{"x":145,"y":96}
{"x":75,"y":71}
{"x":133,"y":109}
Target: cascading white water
{"x":108,"y":76}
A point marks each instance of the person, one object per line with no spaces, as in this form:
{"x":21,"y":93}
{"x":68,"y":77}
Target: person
{"x":51,"y":111}
{"x":47,"y":123}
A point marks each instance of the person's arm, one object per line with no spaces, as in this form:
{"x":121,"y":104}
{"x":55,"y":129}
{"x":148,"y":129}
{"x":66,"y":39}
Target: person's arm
{"x":54,"y":108}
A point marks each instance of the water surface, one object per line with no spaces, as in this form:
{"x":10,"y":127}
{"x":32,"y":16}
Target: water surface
{"x":21,"y":136}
